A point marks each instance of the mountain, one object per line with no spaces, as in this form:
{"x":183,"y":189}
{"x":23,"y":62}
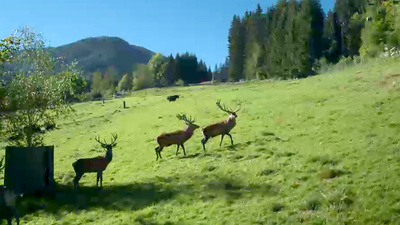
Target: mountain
{"x":100,"y":53}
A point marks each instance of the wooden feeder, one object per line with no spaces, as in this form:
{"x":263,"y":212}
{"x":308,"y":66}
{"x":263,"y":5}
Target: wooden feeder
{"x":30,"y":170}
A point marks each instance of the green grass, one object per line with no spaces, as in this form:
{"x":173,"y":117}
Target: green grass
{"x":323,"y":150}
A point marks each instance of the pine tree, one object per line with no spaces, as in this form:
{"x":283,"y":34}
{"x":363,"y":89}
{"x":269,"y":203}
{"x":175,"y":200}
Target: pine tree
{"x":331,"y":39}
{"x":236,"y":41}
{"x":254,"y":42}
{"x":317,"y":29}
{"x":290,"y":41}
{"x":277,"y":50}
{"x":304,"y":29}
{"x":169,"y":71}
{"x":345,"y":9}
{"x":250,"y":47}
{"x":178,"y":71}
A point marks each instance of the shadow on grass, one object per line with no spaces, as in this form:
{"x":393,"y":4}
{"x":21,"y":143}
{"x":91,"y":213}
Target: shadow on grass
{"x":191,"y":156}
{"x":232,"y":189}
{"x":117,"y":197}
{"x":136,"y":196}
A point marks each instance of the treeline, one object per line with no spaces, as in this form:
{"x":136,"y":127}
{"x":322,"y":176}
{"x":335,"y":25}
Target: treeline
{"x":292,"y":38}
{"x":160,"y":71}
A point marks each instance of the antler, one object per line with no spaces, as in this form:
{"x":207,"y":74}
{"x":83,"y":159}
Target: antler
{"x":222,"y":107}
{"x":113,"y":139}
{"x":239,"y":105}
{"x":97,"y":138}
{"x":184,"y":118}
{"x":227,"y":109}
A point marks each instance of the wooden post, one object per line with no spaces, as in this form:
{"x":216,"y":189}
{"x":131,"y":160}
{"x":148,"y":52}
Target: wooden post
{"x":123,"y":104}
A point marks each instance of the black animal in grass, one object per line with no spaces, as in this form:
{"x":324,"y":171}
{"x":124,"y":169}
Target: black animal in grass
{"x":8,"y":207}
{"x":172,"y":98}
{"x":8,"y":198}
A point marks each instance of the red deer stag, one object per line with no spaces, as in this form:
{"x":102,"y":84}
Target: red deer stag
{"x":96,"y":164}
{"x":222,"y":128}
{"x":178,"y":137}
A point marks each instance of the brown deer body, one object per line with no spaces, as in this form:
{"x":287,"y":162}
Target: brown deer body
{"x":176,"y":138}
{"x":94,"y":165}
{"x":221,"y":128}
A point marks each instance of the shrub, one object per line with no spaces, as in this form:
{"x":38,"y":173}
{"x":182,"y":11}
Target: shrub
{"x":143,"y":78}
{"x":179,"y":83}
{"x":38,"y":95}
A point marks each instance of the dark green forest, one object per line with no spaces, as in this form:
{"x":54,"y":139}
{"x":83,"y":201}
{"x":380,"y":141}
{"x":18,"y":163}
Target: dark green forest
{"x":293,"y":38}
{"x":160,"y":71}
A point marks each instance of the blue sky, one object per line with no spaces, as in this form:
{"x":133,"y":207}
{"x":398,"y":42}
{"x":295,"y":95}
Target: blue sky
{"x":166,"y":26}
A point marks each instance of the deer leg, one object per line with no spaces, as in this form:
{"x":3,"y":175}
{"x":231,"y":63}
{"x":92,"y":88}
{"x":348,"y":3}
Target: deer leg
{"x":184,"y":152}
{"x":157,"y":149}
{"x":177,"y":149}
{"x":16,"y":216}
{"x":101,"y":179}
{"x":231,"y":138}
{"x":97,"y":179}
{"x":222,"y":138}
{"x":158,"y":152}
{"x":76,"y":180}
{"x":204,"y":141}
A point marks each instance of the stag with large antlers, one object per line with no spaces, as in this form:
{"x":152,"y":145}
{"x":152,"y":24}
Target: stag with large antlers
{"x":222,"y":128}
{"x":96,"y":164}
{"x":178,"y":137}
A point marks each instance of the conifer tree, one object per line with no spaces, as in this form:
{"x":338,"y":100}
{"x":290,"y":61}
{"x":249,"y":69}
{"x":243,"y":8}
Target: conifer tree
{"x":236,"y":41}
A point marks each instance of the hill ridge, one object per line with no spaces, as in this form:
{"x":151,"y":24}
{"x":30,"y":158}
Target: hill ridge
{"x":103,"y":52}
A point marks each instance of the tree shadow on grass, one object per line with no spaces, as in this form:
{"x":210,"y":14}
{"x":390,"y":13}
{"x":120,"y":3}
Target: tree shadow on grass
{"x":136,"y":196}
{"x":124,"y":197}
{"x":191,"y":156}
{"x":202,"y":155}
{"x":232,"y":189}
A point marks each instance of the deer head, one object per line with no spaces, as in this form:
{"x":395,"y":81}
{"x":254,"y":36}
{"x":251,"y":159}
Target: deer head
{"x":188,"y":121}
{"x":106,"y":145}
{"x":229,"y":110}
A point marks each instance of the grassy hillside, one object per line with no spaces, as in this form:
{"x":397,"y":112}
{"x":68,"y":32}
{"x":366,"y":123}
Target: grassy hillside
{"x":99,"y":53}
{"x":323,"y":150}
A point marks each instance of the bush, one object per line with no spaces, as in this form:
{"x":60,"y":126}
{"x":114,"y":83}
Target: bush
{"x":143,"y":78}
{"x":180,"y":83}
{"x":344,"y":62}
{"x":109,"y":93}
{"x":125,"y":83}
{"x":37,"y":95}
{"x":322,"y":66}
{"x":95,"y":96}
